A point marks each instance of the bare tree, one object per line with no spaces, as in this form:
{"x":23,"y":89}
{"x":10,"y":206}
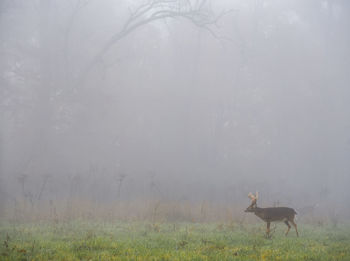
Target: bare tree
{"x":120,"y":178}
{"x":197,"y":13}
{"x":43,"y":185}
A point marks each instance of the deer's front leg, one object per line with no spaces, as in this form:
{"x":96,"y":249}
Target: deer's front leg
{"x":268,"y":228}
{"x":286,"y":222}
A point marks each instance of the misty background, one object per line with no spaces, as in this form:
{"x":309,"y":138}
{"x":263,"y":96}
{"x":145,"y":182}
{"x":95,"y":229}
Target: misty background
{"x":211,"y":101}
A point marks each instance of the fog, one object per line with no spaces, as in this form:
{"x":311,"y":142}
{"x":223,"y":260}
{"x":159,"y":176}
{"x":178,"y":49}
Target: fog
{"x":118,"y":103}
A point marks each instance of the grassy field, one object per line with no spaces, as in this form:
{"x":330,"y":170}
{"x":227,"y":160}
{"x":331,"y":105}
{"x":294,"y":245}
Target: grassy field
{"x":177,"y":241}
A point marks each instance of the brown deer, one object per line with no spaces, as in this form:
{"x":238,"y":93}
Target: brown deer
{"x":272,"y":214}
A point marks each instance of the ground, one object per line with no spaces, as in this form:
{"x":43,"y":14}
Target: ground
{"x":81,"y":240}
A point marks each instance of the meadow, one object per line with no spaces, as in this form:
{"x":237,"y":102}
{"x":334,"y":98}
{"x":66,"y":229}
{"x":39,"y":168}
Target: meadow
{"x":82,"y":240}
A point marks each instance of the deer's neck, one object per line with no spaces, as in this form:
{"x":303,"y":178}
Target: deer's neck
{"x":259,"y":212}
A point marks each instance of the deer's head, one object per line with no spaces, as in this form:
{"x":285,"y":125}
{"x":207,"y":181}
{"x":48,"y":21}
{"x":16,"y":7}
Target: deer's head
{"x":253,"y":204}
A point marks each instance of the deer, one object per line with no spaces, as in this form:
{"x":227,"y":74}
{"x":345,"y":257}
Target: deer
{"x":272,"y":214}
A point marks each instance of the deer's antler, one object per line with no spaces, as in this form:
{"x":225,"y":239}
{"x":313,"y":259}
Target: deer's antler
{"x":252,"y":196}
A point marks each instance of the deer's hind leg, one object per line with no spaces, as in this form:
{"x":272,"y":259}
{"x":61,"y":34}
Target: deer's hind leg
{"x":286,"y":222}
{"x":295,"y":226}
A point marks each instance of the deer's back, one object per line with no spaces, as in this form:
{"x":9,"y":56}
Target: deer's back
{"x":276,"y":213}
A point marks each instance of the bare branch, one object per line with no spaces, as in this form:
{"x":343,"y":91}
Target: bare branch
{"x":156,"y":10}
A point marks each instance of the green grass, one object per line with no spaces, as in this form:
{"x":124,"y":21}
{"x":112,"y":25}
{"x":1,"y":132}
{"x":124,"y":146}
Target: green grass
{"x":181,"y":241}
